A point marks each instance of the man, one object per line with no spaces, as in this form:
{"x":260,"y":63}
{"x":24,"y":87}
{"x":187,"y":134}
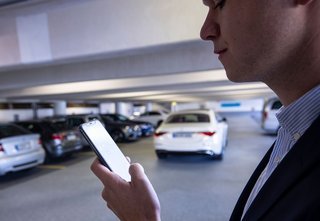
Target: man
{"x":276,"y":42}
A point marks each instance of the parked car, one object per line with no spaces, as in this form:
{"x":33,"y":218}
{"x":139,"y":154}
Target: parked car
{"x":57,"y":139}
{"x":121,"y":131}
{"x":147,"y":128}
{"x":269,"y":122}
{"x":74,"y":121}
{"x":153,"y":117}
{"x":19,"y":149}
{"x":191,"y":132}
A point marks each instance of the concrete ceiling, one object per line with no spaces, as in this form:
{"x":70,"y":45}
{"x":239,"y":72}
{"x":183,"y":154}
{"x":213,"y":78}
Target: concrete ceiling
{"x":164,"y":70}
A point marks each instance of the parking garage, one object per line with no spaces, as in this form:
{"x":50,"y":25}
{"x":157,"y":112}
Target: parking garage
{"x":62,"y":59}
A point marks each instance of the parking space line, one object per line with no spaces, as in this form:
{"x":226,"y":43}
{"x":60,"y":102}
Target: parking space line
{"x":52,"y":167}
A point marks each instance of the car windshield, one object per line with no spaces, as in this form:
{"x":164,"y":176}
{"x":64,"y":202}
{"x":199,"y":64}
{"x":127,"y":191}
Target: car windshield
{"x":118,"y":117}
{"x":56,"y":126}
{"x":11,"y":130}
{"x":90,"y":118}
{"x":188,"y":118}
{"x":108,"y":118}
{"x":122,"y":118}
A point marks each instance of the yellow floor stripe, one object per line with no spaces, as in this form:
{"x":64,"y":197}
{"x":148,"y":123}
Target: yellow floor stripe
{"x":52,"y":167}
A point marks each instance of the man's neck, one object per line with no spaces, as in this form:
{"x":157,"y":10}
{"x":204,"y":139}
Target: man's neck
{"x":297,"y":78}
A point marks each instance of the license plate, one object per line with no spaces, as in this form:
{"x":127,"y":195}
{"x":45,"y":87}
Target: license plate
{"x":23,"y":147}
{"x":71,"y":137}
{"x":182,"y":135}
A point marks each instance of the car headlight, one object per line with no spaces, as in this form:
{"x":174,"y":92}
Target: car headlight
{"x":128,"y":129}
{"x":144,"y":126}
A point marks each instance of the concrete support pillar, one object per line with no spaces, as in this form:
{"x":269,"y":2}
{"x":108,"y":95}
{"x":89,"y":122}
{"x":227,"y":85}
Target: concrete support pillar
{"x":149,"y":106}
{"x":124,"y":108}
{"x":121,"y":108}
{"x":35,"y":111}
{"x":174,"y":106}
{"x":60,"y":108}
{"x":106,"y":108}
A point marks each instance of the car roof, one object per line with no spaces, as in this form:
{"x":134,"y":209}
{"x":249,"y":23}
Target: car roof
{"x":6,"y":123}
{"x":29,"y":122}
{"x":198,"y":111}
{"x":82,"y":115}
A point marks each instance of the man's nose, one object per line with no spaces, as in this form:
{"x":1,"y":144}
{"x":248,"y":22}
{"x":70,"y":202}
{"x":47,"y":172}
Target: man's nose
{"x":210,"y":29}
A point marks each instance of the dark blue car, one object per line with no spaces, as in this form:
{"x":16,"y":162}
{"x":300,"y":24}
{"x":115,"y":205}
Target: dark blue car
{"x":147,"y":129}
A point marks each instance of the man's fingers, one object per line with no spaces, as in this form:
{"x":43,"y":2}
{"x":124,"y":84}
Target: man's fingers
{"x":100,"y":171}
{"x":107,"y":177}
{"x":140,"y":180}
{"x":136,"y":171}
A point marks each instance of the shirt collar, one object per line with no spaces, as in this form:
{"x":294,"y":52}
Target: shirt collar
{"x":299,"y":115}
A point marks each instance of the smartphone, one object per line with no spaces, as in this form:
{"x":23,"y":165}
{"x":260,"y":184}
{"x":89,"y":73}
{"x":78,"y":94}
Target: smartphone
{"x":105,"y":148}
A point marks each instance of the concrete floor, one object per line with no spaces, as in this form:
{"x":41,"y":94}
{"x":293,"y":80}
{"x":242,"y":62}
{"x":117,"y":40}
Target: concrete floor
{"x":189,"y":187}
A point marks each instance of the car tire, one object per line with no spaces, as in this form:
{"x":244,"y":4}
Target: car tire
{"x":117,"y":135}
{"x":161,"y":155}
{"x":49,"y":156}
{"x":219,"y":156}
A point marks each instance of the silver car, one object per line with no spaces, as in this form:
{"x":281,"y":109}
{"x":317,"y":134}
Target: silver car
{"x":19,"y":149}
{"x":75,"y":120}
{"x":270,"y":123}
{"x":57,"y":140}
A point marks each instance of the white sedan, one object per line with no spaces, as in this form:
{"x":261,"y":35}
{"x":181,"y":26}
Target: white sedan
{"x":191,"y":132}
{"x":19,"y":149}
{"x":153,"y":117}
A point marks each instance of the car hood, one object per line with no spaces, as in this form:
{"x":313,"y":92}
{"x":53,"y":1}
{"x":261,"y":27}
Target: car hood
{"x":120,"y":124}
{"x":139,"y":122}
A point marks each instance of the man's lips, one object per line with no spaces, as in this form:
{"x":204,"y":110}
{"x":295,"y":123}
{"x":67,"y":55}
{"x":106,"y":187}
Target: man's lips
{"x":220,"y":51}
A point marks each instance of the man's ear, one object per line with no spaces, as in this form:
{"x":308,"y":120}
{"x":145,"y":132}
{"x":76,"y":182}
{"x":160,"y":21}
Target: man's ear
{"x":303,"y":2}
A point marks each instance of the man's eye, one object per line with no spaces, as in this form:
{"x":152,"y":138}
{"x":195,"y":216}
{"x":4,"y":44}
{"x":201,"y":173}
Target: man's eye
{"x":220,"y":4}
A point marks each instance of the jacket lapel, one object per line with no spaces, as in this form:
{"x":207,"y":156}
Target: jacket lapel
{"x":299,"y":160}
{"x":239,"y":207}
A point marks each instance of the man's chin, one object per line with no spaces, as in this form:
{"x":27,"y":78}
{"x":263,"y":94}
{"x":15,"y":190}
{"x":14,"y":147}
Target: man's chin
{"x":238,"y":77}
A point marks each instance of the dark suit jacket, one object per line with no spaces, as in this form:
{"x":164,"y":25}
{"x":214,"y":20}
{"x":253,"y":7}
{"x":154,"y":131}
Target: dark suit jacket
{"x":292,"y":192}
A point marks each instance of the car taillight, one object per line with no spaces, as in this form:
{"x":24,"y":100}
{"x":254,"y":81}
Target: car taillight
{"x":1,"y":148}
{"x":265,"y":115}
{"x":207,"y":133}
{"x":57,"y":137}
{"x":158,"y":134}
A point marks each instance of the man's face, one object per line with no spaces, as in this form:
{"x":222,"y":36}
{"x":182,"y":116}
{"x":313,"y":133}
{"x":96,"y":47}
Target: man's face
{"x":251,"y":37}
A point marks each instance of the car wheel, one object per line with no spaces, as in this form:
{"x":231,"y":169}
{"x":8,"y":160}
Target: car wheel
{"x":49,"y":157}
{"x":219,"y":156}
{"x":161,"y":155}
{"x":117,"y":135}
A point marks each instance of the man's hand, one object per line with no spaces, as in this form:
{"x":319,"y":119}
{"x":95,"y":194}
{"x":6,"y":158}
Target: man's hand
{"x":133,"y":201}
